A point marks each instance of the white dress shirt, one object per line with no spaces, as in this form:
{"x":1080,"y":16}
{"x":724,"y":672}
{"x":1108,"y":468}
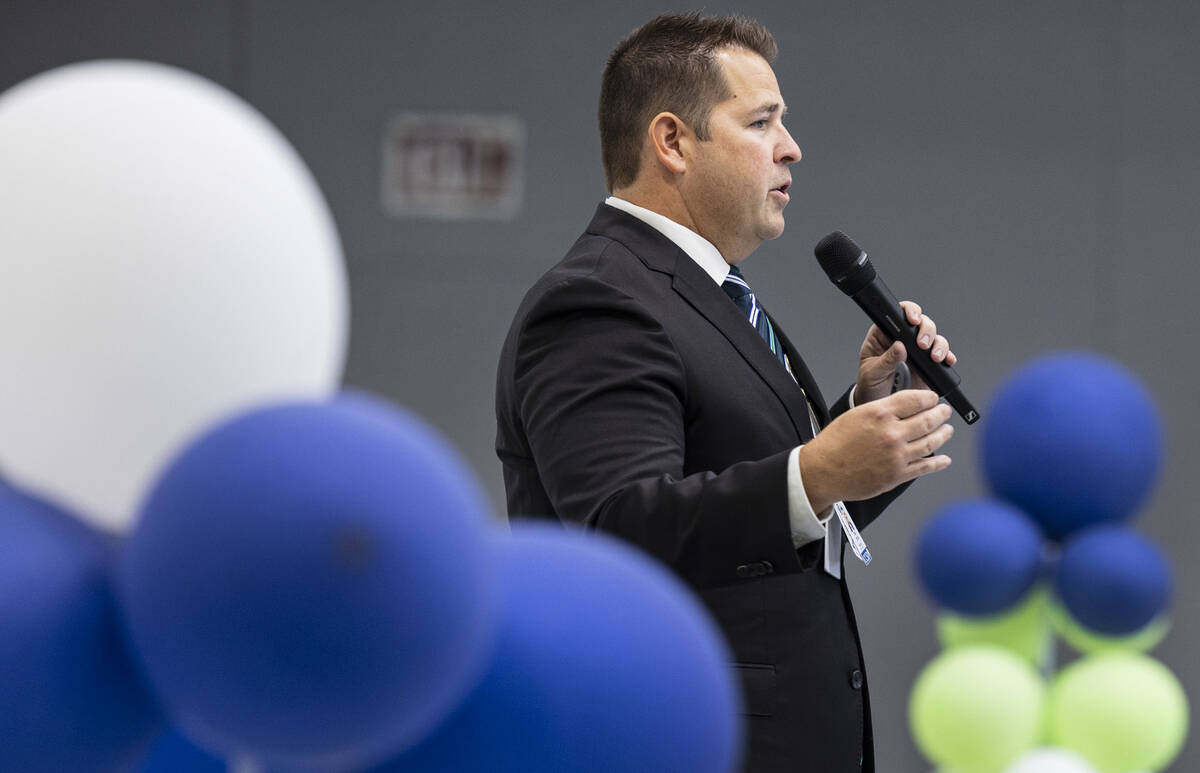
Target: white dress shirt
{"x":807,"y":526}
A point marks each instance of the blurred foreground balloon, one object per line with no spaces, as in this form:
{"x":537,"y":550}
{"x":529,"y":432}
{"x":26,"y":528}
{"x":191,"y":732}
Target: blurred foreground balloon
{"x":1074,"y":440}
{"x":1123,"y":711}
{"x":978,"y":557}
{"x":70,"y":699}
{"x":1113,"y":581}
{"x":1049,"y":760}
{"x":605,"y":664}
{"x":166,"y":259}
{"x":1024,"y":630}
{"x":976,"y":709}
{"x":309,"y":584}
{"x":173,"y":753}
{"x":1084,"y":641}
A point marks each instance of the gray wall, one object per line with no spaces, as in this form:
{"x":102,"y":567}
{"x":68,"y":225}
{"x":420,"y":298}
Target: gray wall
{"x":1026,"y":169}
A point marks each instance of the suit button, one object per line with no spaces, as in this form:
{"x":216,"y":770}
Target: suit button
{"x":856,"y":679}
{"x":756,"y":569}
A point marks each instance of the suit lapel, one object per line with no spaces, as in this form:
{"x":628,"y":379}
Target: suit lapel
{"x":704,"y":295}
{"x":803,"y":376}
{"x":711,"y":302}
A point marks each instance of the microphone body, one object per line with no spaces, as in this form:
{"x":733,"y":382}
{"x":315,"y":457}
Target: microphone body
{"x":850,"y":269}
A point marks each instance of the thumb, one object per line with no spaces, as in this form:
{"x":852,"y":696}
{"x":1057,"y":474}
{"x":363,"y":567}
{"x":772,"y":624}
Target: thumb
{"x":891,"y":357}
{"x":881,"y":368}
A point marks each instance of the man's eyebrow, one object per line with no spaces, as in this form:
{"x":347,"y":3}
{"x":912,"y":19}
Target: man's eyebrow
{"x":772,"y":108}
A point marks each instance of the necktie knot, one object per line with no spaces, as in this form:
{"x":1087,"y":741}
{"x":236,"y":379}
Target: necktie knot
{"x":735,"y":285}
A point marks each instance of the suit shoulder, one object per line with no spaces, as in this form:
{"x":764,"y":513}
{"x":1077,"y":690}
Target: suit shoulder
{"x":596,"y":271}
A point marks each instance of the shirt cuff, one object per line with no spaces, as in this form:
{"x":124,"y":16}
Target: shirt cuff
{"x":807,"y":526}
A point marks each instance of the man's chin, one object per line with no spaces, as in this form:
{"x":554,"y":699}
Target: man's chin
{"x":772,"y":231}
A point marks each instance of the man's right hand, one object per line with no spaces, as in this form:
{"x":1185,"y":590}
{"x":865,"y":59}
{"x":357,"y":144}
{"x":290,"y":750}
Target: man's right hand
{"x":875,"y":447}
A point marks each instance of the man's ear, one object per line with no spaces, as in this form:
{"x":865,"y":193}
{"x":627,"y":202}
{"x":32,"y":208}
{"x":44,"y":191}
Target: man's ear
{"x":668,"y":137}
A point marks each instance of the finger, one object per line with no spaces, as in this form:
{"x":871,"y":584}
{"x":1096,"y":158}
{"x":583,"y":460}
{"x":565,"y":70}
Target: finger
{"x":926,"y":465}
{"x":930,"y":443}
{"x":908,"y":402}
{"x":913,"y":310}
{"x":920,"y":425}
{"x":940,"y":348}
{"x":926,"y":333}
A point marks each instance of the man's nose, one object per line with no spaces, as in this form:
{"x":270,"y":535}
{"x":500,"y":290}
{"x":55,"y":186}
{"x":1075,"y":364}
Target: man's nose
{"x":789,"y":151}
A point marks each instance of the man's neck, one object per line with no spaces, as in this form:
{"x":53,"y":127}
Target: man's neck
{"x":695,"y":246}
{"x":668,"y":203}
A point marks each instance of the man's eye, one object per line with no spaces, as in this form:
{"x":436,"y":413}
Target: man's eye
{"x":760,"y":124}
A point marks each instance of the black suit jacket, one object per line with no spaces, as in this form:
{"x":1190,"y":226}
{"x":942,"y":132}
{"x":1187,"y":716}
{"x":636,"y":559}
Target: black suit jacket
{"x":634,"y":397}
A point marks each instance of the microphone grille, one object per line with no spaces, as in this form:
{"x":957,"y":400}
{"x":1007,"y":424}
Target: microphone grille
{"x":837,"y":254}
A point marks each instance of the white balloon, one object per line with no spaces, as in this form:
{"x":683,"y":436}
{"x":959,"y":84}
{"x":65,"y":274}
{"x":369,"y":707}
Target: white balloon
{"x":1051,"y":760}
{"x":166,"y":258}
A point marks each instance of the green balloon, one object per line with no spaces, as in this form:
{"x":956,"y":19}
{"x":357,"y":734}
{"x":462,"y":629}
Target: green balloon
{"x":1023,"y":630}
{"x":1122,"y":710}
{"x":1086,"y":642}
{"x":975,"y":709}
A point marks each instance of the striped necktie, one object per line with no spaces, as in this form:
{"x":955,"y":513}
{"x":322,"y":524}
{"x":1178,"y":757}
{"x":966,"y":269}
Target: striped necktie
{"x":743,"y":297}
{"x":739,"y":291}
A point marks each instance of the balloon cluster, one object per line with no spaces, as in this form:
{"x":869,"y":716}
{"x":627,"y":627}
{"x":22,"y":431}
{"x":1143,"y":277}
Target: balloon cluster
{"x":1071,"y":449}
{"x":227,"y":563}
{"x":314,"y":586}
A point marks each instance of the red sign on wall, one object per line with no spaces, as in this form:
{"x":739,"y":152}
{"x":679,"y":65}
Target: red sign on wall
{"x":453,"y":166}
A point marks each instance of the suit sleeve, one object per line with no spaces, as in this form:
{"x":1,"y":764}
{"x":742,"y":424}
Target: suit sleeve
{"x":602,"y":394}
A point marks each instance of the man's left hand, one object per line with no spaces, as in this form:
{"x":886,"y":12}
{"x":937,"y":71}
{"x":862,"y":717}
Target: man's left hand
{"x":879,"y":355}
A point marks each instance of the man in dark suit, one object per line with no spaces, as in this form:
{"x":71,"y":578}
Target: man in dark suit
{"x":643,"y":391}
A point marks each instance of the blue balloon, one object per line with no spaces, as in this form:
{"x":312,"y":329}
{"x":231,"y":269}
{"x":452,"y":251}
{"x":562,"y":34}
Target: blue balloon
{"x":70,"y":698}
{"x":1113,"y":581}
{"x":309,"y":584}
{"x":605,"y":664}
{"x":978,"y":557}
{"x":1074,"y":440}
{"x":174,"y":753}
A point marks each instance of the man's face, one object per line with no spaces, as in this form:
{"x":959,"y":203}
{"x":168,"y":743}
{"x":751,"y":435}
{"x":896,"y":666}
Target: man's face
{"x":736,"y":182}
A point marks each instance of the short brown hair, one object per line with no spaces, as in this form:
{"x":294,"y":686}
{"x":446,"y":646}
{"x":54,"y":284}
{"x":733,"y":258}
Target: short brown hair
{"x":668,"y":64}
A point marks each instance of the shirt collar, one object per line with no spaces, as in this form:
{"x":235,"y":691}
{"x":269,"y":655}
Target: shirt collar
{"x":699,"y":249}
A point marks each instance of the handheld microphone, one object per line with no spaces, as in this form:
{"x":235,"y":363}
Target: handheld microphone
{"x":850,"y":269}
